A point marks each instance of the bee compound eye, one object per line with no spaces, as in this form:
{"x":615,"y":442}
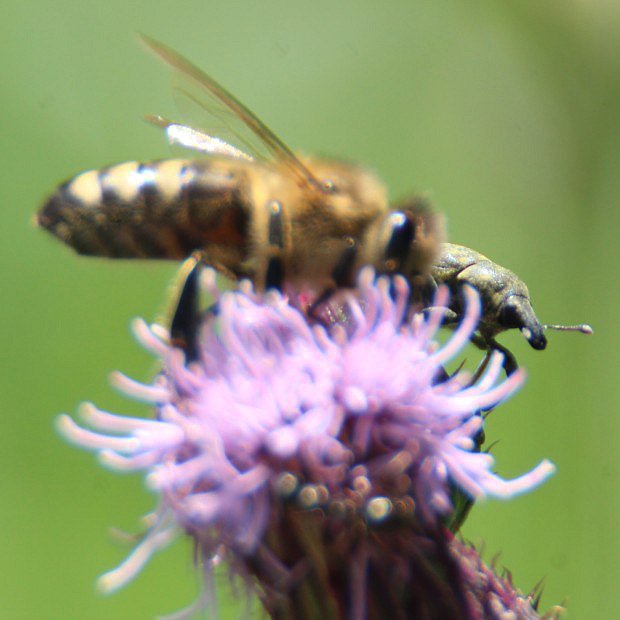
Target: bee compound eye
{"x":402,"y":234}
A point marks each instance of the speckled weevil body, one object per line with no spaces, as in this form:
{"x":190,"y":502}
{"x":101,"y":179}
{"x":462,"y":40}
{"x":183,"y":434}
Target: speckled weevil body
{"x":505,"y":298}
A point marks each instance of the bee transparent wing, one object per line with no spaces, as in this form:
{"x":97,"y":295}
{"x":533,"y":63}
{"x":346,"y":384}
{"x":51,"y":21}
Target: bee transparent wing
{"x":200,"y":111}
{"x":190,"y":138}
{"x":234,"y":118}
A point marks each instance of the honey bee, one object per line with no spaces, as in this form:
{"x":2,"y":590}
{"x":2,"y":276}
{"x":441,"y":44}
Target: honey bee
{"x":264,"y":213}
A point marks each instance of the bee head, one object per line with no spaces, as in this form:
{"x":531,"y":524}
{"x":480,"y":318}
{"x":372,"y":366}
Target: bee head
{"x":412,"y":235}
{"x":517,"y":313}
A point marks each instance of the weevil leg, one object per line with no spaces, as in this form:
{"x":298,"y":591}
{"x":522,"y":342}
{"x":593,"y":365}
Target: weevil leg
{"x":449,"y":320}
{"x":510,"y":361}
{"x":490,"y":345}
{"x":461,"y":501}
{"x":184,"y":326}
{"x":484,"y":364}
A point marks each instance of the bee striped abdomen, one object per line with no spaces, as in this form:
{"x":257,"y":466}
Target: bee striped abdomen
{"x":162,"y":210}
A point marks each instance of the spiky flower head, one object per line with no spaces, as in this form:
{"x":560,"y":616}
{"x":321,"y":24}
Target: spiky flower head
{"x":313,"y":456}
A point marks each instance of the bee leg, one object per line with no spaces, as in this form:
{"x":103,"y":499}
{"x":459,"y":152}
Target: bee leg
{"x":274,"y":274}
{"x":342,"y":275}
{"x":274,"y":277}
{"x":185,"y":322}
{"x":323,"y":298}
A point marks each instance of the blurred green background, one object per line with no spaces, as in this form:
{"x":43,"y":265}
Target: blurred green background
{"x":508,"y":113}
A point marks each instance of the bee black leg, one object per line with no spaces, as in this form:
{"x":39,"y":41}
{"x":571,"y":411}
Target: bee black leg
{"x":185,"y":323}
{"x":274,"y":277}
{"x":342,"y":275}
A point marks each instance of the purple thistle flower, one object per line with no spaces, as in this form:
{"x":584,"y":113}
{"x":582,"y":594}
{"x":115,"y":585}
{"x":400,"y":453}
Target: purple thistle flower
{"x":279,"y":423}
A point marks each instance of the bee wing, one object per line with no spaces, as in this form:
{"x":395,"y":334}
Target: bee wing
{"x":204,"y":92}
{"x":196,"y":140}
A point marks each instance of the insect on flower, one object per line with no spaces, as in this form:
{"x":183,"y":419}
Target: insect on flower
{"x":278,"y":425}
{"x":264,"y":213}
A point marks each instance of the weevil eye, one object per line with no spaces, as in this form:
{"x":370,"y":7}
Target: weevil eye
{"x":517,"y":313}
{"x":510,"y":316}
